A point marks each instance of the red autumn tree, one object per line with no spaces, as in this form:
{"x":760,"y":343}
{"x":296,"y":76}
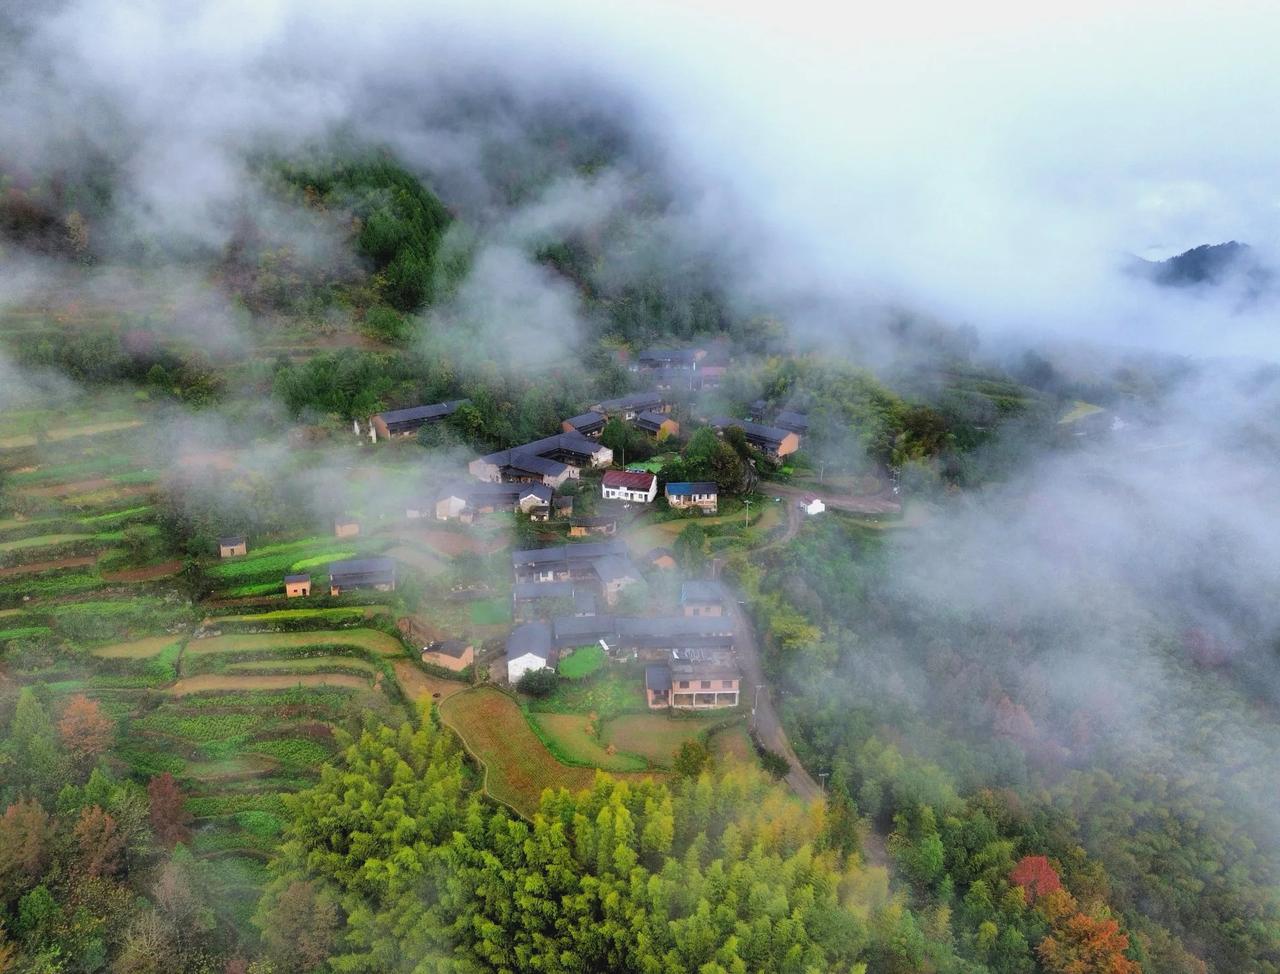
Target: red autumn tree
{"x":1035,"y":876}
{"x":85,"y":730}
{"x":1085,"y":944}
{"x":24,"y":845}
{"x":100,"y":842}
{"x":169,"y":816}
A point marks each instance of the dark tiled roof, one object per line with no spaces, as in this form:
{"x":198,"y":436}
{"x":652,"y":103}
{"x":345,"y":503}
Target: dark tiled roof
{"x":700,"y":591}
{"x":294,"y":579}
{"x":449,"y":647}
{"x":414,"y":413}
{"x":636,"y":401}
{"x":657,"y":677}
{"x":361,"y":569}
{"x":593,"y":521}
{"x":791,"y":420}
{"x":587,"y":420}
{"x":651,"y":421}
{"x":531,"y":638}
{"x":232,"y":540}
{"x":755,"y":431}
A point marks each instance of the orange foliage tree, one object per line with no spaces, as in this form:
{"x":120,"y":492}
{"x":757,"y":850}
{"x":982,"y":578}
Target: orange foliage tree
{"x":85,"y":730}
{"x":1035,"y":876}
{"x":1084,"y":944}
{"x":169,"y":816}
{"x":100,"y":842}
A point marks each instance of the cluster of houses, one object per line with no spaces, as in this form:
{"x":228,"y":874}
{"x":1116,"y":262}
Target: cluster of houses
{"x":558,"y":595}
{"x":525,"y":478}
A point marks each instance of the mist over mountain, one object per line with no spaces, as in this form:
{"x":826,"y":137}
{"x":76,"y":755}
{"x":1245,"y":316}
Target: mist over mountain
{"x":991,"y":679}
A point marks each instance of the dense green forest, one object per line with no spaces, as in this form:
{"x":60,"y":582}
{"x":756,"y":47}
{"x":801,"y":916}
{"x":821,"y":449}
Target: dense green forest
{"x":969,"y":760}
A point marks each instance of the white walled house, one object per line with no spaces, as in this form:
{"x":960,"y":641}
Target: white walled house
{"x":813,"y":505}
{"x":528,"y":649}
{"x":633,"y":486}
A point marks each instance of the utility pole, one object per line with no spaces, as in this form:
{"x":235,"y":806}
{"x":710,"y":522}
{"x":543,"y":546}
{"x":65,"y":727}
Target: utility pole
{"x":822,"y":777}
{"x":746,"y":517}
{"x":755,"y":705}
{"x":822,"y":471}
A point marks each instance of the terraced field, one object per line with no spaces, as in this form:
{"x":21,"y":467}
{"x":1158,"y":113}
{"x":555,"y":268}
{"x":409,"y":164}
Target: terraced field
{"x":379,"y":643}
{"x":518,"y":766}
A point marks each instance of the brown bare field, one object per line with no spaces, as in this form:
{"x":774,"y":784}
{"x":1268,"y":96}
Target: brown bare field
{"x":733,"y":746}
{"x":517,"y":765}
{"x":55,"y":435}
{"x":419,"y":686}
{"x":370,"y":639}
{"x":43,"y":566}
{"x":208,"y":682}
{"x":148,"y":573}
{"x":72,"y":487}
{"x":456,"y":543}
{"x":138,"y":648}
{"x":652,"y":736}
{"x":417,"y":557}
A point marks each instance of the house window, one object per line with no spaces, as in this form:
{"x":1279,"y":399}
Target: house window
{"x":726,"y":684}
{"x":706,"y":684}
{"x":684,"y":684}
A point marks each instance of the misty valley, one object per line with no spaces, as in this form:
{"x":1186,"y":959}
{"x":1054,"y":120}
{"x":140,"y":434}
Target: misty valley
{"x":453,"y":520}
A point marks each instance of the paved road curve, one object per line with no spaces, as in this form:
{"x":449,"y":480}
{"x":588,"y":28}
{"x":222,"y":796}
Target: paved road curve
{"x":768,"y":726}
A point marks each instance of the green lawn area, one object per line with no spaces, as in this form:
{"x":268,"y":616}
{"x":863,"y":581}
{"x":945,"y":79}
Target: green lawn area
{"x":571,"y":739}
{"x":369,"y":639}
{"x":41,"y":541}
{"x":490,"y":612}
{"x":306,"y":664}
{"x":613,"y":690}
{"x":336,"y":614}
{"x":654,"y":736}
{"x":137,"y":648}
{"x":582,"y":662}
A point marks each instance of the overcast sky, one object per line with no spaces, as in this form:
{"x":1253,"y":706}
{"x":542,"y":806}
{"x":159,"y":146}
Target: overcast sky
{"x":987,"y":162}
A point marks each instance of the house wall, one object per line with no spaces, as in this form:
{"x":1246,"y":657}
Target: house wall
{"x":380,"y":427}
{"x":626,"y":494}
{"x":521,"y":665}
{"x":347,"y":529}
{"x":703,"y":609}
{"x":483,"y":470}
{"x":790,"y":443}
{"x":294,"y":590}
{"x":704,"y":694}
{"x":454,"y":663}
{"x":449,"y":507}
{"x":658,"y":700}
{"x":228,"y":551}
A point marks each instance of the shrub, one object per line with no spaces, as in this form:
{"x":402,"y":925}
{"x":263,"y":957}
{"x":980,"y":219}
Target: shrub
{"x":538,"y":683}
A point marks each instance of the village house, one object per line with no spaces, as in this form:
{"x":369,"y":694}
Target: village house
{"x":633,"y":486}
{"x":472,"y":500}
{"x":703,"y":682}
{"x":407,"y":422}
{"x":529,"y":648}
{"x":346,"y":527}
{"x":684,"y":359}
{"x":771,"y":440}
{"x":699,"y":598}
{"x":588,"y":424}
{"x":580,"y":527}
{"x":628,"y":407}
{"x":657,"y":425}
{"x":297,"y":586}
{"x":605,"y":564}
{"x":452,"y":654}
{"x":540,"y":600}
{"x":378,"y":574}
{"x":790,"y":419}
{"x":711,"y":376}
{"x":551,"y":460}
{"x":812,"y":505}
{"x":643,"y":637}
{"x":231,"y":546}
{"x":703,"y":496}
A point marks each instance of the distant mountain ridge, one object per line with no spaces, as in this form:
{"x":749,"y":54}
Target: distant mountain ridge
{"x":1211,"y":265}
